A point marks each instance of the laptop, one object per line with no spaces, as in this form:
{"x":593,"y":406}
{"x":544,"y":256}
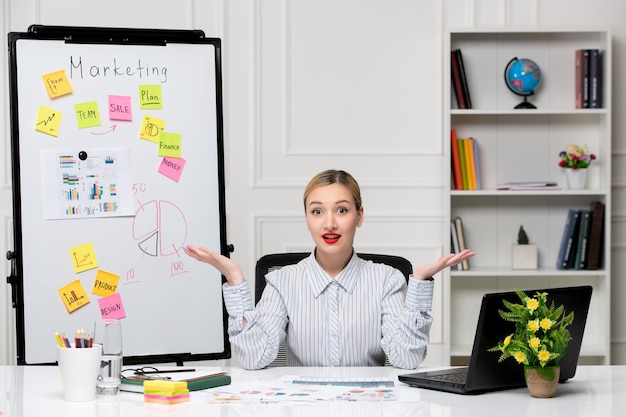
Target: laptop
{"x":484,"y":373}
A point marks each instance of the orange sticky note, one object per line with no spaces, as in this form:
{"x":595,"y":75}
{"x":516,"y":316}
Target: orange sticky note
{"x":150,"y":97}
{"x":151,"y":128}
{"x":48,"y":121}
{"x":105,"y":283}
{"x":87,"y":114}
{"x":172,"y":167}
{"x":57,"y":84}
{"x":169,"y":144}
{"x":83,"y":258}
{"x":73,"y":295}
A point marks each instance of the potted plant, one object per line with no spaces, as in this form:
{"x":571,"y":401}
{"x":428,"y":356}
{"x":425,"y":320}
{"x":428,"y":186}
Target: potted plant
{"x":539,"y":340}
{"x":575,"y":160}
{"x":523,"y":255}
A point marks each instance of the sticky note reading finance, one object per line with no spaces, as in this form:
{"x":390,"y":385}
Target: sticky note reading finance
{"x":120,"y":108}
{"x":111,"y":307}
{"x":57,"y":84}
{"x":150,"y":97}
{"x":105,"y":283}
{"x":169,"y":144}
{"x":83,"y":258}
{"x":48,"y":121}
{"x":87,"y":114}
{"x":73,"y":295}
{"x":172,"y":167}
{"x":151,"y":128}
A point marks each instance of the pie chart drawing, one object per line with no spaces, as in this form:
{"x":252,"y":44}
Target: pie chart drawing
{"x":160,"y":228}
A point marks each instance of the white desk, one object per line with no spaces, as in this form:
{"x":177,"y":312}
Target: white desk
{"x":595,"y":391}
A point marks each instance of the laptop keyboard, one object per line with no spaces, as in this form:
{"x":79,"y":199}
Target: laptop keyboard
{"x":459,"y":377}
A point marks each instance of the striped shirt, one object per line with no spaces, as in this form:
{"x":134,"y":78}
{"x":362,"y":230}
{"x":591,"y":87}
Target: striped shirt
{"x":365,"y":313}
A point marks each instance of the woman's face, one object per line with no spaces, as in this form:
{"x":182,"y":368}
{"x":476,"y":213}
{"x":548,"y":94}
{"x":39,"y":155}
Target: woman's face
{"x":332,"y":219}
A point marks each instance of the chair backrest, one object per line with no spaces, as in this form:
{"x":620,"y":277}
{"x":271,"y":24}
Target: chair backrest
{"x":274,"y":261}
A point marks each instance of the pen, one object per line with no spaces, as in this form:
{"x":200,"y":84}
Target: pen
{"x":168,"y":371}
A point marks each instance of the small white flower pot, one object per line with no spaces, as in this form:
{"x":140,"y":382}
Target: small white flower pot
{"x":524,"y":256}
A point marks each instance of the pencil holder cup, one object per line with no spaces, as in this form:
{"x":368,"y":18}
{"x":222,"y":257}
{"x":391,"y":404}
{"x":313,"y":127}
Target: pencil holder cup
{"x":79,"y":368}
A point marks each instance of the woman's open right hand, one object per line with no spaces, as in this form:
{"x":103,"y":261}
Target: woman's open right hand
{"x":229,"y":268}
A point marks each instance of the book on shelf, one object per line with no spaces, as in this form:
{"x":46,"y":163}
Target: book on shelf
{"x":596,"y":236}
{"x":455,"y":243}
{"x":585,"y":78}
{"x":196,"y":378}
{"x":578,"y":78}
{"x":465,"y":86}
{"x":567,"y":250}
{"x":462,"y":243}
{"x":456,"y":163}
{"x":595,"y":85}
{"x":457,"y":85}
{"x":469,"y":163}
{"x":529,"y":185}
{"x":462,"y":159}
{"x":479,"y":184}
{"x":582,"y":250}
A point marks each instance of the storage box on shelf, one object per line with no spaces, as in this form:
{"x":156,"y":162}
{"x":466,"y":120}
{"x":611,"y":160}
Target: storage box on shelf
{"x":523,"y":145}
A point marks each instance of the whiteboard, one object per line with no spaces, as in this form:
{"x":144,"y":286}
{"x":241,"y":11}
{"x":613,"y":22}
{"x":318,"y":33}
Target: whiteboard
{"x":135,"y":224}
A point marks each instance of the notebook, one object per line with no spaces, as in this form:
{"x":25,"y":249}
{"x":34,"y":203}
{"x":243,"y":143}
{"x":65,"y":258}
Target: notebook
{"x":484,"y":373}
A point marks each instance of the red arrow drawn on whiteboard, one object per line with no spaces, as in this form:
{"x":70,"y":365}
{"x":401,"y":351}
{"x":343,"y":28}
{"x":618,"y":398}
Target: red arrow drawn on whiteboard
{"x":112,"y":129}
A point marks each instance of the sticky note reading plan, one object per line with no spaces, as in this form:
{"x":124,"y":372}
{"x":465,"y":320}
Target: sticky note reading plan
{"x":150,"y":97}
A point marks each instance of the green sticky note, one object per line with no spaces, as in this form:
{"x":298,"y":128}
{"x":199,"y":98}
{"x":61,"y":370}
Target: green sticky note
{"x":169,"y":144}
{"x":150,"y":97}
{"x":87,"y":114}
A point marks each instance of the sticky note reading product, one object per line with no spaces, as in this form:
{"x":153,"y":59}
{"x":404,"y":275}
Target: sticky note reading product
{"x":111,"y":307}
{"x":151,"y":128}
{"x":120,"y":109}
{"x":48,"y":121}
{"x":150,"y":97}
{"x":73,"y":295}
{"x":172,"y":167}
{"x":57,"y":84}
{"x":87,"y":114}
{"x":83,"y":258}
{"x":169,"y":144}
{"x":105,"y":283}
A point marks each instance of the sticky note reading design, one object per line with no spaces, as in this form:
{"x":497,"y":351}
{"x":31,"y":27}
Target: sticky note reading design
{"x":83,"y":258}
{"x":172,"y":167}
{"x":105,"y":283}
{"x":169,"y":144}
{"x":73,"y":295}
{"x":151,"y":128}
{"x":120,"y":109}
{"x":111,"y":307}
{"x":150,"y":97}
{"x":87,"y":114}
{"x":57,"y":84}
{"x":48,"y":121}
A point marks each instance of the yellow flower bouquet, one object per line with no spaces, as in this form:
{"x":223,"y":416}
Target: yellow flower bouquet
{"x":541,"y":335}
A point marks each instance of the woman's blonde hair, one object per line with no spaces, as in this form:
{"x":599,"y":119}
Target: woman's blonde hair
{"x":333,"y":176}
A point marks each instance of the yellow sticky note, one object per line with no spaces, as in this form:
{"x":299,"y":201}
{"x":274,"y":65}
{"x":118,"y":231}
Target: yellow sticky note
{"x":151,"y":128}
{"x":169,"y":144}
{"x":48,"y":121}
{"x":105,"y":283}
{"x":83,"y":257}
{"x":150,"y":97}
{"x":57,"y":84}
{"x":73,"y":295}
{"x":87,"y":114}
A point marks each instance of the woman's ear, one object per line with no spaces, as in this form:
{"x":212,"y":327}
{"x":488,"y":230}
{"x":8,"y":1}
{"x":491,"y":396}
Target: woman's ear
{"x":360,"y":217}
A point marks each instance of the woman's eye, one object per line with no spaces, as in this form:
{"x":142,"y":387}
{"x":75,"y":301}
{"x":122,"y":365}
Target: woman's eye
{"x":342,"y":210}
{"x":316,"y":211}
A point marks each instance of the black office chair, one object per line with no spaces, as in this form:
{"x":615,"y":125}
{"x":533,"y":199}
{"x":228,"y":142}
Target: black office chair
{"x":270,"y":262}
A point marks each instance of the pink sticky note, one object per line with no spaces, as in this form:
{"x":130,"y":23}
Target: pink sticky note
{"x":119,"y":108}
{"x":111,"y":307}
{"x":172,"y":167}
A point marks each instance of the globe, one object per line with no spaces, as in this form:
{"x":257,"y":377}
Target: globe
{"x":522,"y":76}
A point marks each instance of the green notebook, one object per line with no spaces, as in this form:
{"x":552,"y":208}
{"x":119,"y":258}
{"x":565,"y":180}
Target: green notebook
{"x":197,"y":380}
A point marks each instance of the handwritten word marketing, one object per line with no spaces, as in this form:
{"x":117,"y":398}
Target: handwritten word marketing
{"x":115,"y":69}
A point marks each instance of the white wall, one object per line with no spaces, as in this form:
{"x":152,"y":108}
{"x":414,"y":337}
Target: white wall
{"x":310,"y":85}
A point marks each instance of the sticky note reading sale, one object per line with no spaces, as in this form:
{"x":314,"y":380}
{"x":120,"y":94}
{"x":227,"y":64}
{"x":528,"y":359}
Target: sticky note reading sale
{"x":151,"y":128}
{"x":172,"y":167}
{"x":111,"y":307}
{"x":48,"y":121}
{"x":73,"y":296}
{"x":120,"y":109}
{"x":57,"y":84}
{"x":83,"y":258}
{"x":105,"y":283}
{"x":169,"y":144}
